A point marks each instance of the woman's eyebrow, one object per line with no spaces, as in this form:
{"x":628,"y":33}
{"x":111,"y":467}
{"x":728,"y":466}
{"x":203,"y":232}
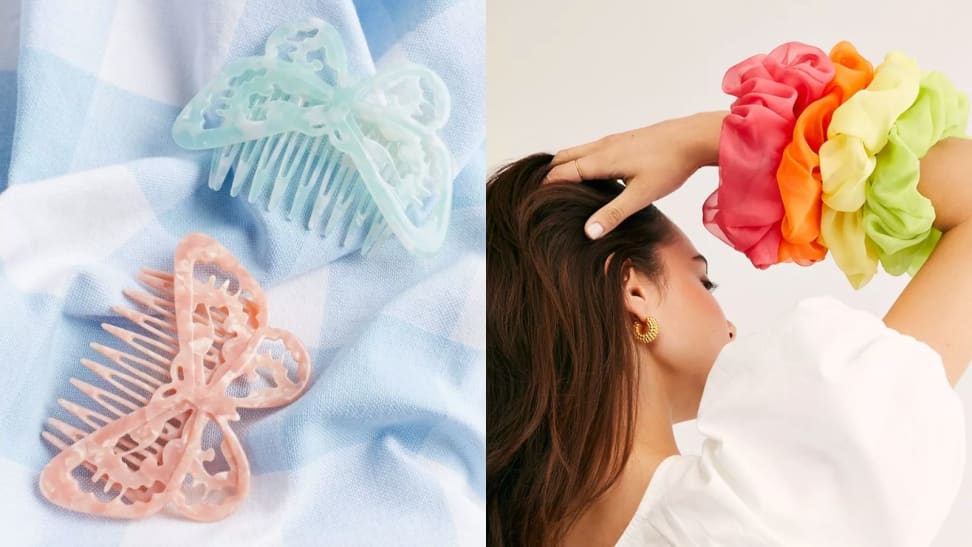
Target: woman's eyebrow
{"x":702,"y":258}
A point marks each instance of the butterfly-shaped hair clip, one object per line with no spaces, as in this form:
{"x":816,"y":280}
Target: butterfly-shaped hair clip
{"x":198,"y":349}
{"x":355,"y":159}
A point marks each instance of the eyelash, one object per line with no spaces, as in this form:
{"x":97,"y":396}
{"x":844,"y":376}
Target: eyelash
{"x":710,"y":286}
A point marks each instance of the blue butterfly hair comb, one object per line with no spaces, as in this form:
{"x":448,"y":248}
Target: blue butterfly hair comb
{"x":355,"y":159}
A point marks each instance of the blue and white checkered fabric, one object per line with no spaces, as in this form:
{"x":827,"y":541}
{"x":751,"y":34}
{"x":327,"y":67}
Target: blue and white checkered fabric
{"x":387,"y":445}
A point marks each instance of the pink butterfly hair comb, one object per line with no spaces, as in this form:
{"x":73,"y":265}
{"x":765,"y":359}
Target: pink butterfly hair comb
{"x":159,"y":436}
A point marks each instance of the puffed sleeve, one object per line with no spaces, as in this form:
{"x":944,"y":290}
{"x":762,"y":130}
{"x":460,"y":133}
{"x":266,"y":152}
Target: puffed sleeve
{"x":825,"y":428}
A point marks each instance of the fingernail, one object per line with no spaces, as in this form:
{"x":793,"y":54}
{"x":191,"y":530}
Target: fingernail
{"x":594,"y":230}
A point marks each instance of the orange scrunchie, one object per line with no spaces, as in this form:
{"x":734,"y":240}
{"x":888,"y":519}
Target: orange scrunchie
{"x":798,"y":174}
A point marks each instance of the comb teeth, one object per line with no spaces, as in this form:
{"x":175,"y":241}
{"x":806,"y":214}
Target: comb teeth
{"x":307,"y":179}
{"x":135,"y":373}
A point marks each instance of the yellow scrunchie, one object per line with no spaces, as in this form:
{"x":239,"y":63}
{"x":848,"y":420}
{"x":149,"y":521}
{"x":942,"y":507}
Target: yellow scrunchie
{"x":857,"y":132}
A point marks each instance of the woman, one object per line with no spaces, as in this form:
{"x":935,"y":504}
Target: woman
{"x":829,"y":427}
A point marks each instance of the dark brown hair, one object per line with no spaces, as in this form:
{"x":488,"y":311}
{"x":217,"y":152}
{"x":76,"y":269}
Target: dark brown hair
{"x":561,"y":372}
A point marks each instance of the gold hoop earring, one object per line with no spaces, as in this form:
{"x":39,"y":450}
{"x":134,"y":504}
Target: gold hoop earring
{"x":651,"y":325}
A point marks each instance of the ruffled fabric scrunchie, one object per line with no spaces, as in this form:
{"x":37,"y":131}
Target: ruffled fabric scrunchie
{"x":746,"y":209}
{"x":822,"y":154}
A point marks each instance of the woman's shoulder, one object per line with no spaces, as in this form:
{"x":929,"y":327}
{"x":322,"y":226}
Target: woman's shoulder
{"x":825,"y":427}
{"x":685,"y":505}
{"x":822,"y":336}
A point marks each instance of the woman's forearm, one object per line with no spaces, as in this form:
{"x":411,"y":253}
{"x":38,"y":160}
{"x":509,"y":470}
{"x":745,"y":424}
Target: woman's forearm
{"x":703,"y":132}
{"x":946,"y":180}
{"x":934,"y":306}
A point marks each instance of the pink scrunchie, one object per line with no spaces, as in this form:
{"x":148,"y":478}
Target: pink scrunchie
{"x":746,"y":209}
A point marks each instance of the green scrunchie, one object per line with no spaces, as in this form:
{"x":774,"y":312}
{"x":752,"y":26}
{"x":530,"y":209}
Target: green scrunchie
{"x":896,"y":217}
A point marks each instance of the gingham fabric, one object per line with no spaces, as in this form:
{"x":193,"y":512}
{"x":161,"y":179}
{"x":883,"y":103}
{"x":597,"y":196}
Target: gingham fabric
{"x":387,"y":445}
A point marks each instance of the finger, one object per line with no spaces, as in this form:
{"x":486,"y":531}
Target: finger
{"x":574,"y":152}
{"x":565,"y":172}
{"x":599,"y":165}
{"x":615,"y":212}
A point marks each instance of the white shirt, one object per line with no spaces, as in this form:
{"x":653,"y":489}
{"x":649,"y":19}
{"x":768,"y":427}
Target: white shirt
{"x":827,"y":428}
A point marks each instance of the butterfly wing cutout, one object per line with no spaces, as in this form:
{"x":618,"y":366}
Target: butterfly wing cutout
{"x":218,"y":305}
{"x":216,"y":478}
{"x":291,"y":87}
{"x":125,"y":469}
{"x":152,"y":458}
{"x":272,"y":370}
{"x":313,"y":44}
{"x":403,"y":162}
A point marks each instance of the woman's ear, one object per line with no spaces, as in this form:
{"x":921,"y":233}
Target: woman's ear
{"x":639,"y":293}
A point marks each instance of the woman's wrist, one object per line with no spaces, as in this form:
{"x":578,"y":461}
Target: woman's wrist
{"x":702,"y":130}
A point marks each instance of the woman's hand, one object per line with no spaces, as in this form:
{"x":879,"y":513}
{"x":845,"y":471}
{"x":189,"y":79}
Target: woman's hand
{"x":653,"y":161}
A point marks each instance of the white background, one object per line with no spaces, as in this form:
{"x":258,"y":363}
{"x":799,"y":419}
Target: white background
{"x":561,"y":73}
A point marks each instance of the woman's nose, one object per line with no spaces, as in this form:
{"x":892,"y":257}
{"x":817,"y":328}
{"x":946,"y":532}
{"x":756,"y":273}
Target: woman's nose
{"x":732,"y":330}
